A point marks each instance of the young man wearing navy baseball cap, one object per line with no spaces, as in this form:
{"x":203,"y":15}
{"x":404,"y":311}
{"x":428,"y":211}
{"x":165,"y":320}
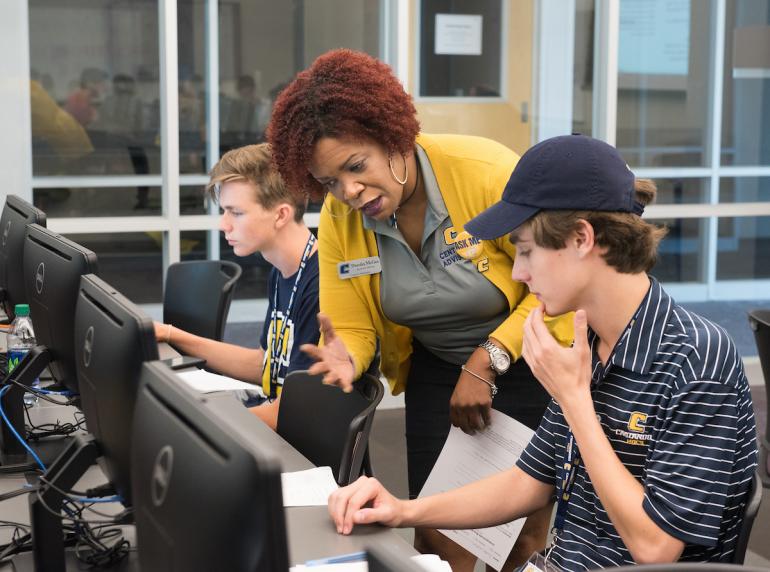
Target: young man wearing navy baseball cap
{"x":649,"y":443}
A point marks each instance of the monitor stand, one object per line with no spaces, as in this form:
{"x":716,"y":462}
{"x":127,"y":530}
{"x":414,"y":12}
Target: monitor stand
{"x":14,"y":458}
{"x":45,"y":507}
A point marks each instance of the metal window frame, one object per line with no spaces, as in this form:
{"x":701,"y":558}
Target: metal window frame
{"x":394,"y":26}
{"x":607,"y":25}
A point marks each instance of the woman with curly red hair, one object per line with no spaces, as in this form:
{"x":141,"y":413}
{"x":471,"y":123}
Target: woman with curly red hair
{"x":397,"y":268}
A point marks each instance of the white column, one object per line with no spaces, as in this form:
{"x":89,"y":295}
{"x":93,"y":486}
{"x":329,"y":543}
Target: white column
{"x":606,"y":34}
{"x":15,"y":111}
{"x":169,"y":126}
{"x":212,"y":109}
{"x":554,"y":47}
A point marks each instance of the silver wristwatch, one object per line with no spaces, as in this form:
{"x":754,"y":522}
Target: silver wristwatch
{"x":499,"y":360}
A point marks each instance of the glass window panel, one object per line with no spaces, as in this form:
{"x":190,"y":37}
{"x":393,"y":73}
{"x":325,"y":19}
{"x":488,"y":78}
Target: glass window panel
{"x":746,"y":90}
{"x":94,"y":95}
{"x":744,"y":189}
{"x":193,"y":200}
{"x":99,"y":201}
{"x":663,"y":82}
{"x":681,"y":254}
{"x":263,"y":44}
{"x":132,"y":262}
{"x":682,"y":191}
{"x":469,"y":66}
{"x":743,"y":249}
{"x":191,"y":39}
{"x":314,"y":207}
{"x":193,"y":245}
{"x":583,"y":70}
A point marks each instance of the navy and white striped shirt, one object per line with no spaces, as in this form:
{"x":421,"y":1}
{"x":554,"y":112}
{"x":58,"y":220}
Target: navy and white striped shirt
{"x":675,"y":404}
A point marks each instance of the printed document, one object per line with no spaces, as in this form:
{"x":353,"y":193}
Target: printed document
{"x":308,"y":488}
{"x":468,"y":458}
{"x":207,"y":382}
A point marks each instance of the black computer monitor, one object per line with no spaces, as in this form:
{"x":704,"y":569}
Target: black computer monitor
{"x":17,"y":214}
{"x":380,"y":560}
{"x":53,"y":266}
{"x":112,"y":339}
{"x":205,"y":498}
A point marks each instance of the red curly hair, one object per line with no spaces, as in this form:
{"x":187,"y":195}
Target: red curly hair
{"x":342,"y":94}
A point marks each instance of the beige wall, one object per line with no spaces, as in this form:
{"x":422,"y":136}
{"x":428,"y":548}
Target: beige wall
{"x":499,"y":121}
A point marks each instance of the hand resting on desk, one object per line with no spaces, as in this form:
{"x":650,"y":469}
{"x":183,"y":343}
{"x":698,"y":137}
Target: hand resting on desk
{"x":364,"y":502}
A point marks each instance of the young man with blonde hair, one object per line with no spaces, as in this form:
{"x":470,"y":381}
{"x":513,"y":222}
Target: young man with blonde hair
{"x":261,"y":214}
{"x":649,"y":442}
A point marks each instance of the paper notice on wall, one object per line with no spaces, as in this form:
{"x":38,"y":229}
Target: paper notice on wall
{"x":468,"y":458}
{"x":458,"y":34}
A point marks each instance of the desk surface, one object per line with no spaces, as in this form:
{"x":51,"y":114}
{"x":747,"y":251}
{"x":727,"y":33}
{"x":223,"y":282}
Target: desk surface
{"x":310,"y":531}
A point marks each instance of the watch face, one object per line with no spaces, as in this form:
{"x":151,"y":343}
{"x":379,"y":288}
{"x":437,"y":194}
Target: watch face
{"x":501,"y":362}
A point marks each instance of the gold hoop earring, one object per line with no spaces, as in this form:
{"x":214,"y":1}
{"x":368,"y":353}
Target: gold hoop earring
{"x":392,"y":172}
{"x":328,"y":210}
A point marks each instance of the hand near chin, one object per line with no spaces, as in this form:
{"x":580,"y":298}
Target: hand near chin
{"x":332,"y":359}
{"x":564,"y":372}
{"x":364,"y":502}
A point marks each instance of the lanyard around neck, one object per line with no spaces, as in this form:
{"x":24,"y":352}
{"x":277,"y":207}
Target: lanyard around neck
{"x":569,"y":470}
{"x":275,"y":346}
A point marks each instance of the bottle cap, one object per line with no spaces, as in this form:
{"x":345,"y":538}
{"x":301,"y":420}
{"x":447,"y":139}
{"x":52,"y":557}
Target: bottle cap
{"x":21,"y":310}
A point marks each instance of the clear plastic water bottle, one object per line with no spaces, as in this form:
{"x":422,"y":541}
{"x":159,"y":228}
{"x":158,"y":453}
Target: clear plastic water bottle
{"x":21,"y":339}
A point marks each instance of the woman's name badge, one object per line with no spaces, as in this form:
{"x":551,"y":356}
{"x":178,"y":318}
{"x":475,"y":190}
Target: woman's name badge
{"x":358,"y":267}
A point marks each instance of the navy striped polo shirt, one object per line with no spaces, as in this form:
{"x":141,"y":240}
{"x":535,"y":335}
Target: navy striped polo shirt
{"x":674,"y":402}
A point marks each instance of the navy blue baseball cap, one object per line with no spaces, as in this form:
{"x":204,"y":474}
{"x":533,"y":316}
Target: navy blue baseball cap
{"x":569,"y":172}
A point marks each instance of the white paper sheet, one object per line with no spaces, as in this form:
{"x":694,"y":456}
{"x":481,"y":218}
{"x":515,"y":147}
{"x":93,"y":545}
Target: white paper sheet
{"x":206,"y":382}
{"x":468,"y":458}
{"x":360,"y":566}
{"x":308,"y":488}
{"x":429,"y":562}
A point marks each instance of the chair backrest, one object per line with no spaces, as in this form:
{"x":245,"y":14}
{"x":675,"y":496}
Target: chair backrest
{"x":759,"y":320}
{"x":198,"y":294}
{"x":325,"y":424}
{"x":749,"y":514}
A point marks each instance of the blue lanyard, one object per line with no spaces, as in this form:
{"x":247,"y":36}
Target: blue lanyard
{"x":569,"y":470}
{"x":275,"y":346}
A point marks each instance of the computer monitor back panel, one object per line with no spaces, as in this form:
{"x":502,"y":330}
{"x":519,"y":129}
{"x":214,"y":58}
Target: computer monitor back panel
{"x":17,"y":214}
{"x":113,"y":338}
{"x":204,"y":499}
{"x":53,"y":266}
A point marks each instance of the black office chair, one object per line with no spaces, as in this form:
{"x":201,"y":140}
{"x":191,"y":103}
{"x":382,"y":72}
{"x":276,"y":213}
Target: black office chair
{"x":759,"y":320}
{"x":749,"y":514}
{"x":328,"y":426}
{"x":688,"y":567}
{"x":198,"y":295}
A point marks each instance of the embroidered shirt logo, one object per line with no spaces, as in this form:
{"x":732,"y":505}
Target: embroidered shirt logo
{"x":635,"y":432}
{"x":636,"y":422}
